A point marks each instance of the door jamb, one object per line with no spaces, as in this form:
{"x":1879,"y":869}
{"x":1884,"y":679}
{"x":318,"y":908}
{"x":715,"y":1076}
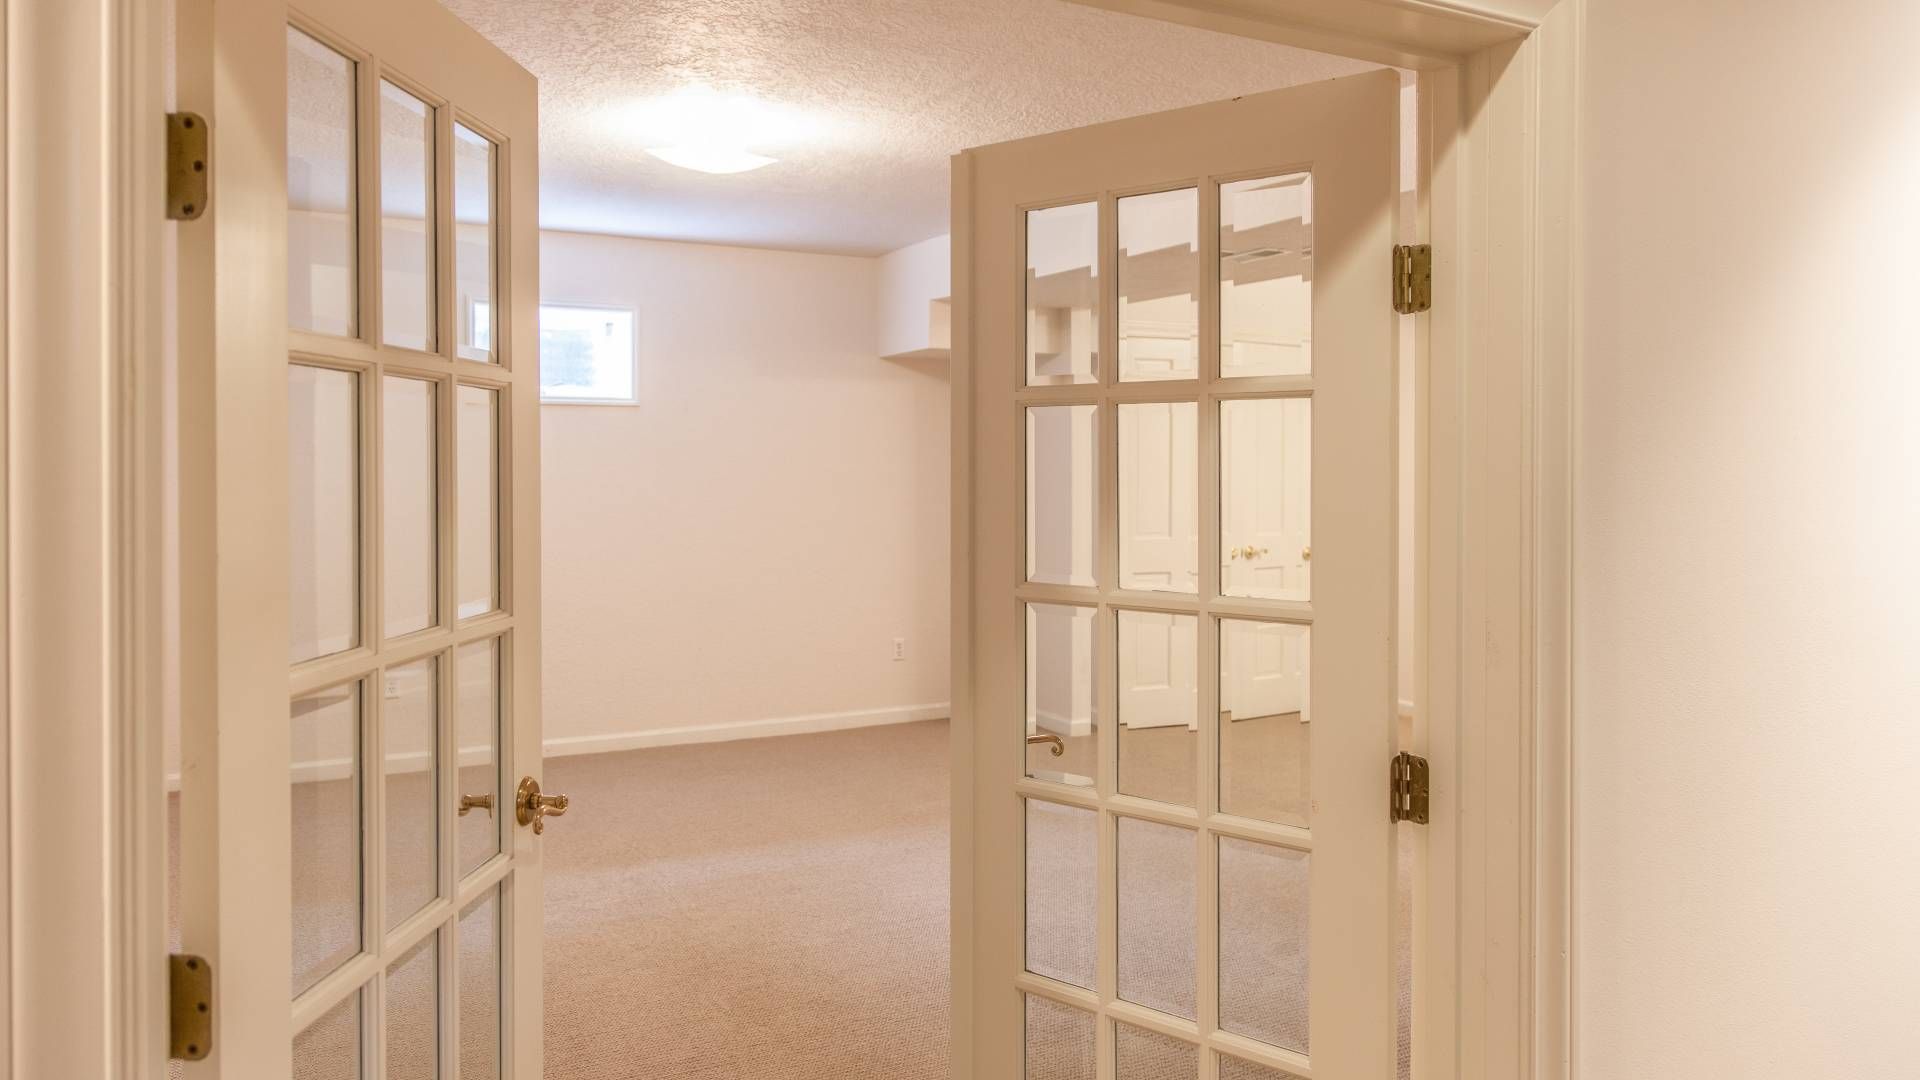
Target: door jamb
{"x":1493,"y":516}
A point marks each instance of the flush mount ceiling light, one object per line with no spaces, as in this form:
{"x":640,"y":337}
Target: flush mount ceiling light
{"x":710,"y":159}
{"x":698,"y":127}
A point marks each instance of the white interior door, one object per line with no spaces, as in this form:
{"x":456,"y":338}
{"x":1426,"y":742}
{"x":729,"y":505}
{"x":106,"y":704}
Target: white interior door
{"x":359,"y":537}
{"x":1193,"y":898}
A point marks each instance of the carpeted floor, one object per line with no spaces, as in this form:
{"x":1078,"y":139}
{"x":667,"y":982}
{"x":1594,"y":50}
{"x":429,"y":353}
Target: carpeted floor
{"x":771,"y":909}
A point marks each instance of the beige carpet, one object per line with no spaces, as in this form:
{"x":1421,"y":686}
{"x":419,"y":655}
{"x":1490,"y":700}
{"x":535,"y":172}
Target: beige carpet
{"x":773,"y":909}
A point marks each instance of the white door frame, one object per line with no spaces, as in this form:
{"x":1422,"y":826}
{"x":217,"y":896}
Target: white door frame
{"x":83,"y":234}
{"x":84,"y":812}
{"x":1498,"y":93}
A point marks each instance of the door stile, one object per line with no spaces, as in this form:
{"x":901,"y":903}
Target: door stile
{"x":518,"y":299}
{"x":236,"y":876}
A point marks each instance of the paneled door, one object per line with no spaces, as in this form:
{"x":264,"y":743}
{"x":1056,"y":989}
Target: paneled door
{"x":1178,"y":335}
{"x":359,"y":521}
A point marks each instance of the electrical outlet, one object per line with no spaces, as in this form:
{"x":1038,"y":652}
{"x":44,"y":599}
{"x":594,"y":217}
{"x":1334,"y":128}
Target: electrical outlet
{"x":899,"y":648}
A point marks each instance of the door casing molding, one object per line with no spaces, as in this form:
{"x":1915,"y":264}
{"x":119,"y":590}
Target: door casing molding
{"x":1499,"y":111}
{"x":85,"y":811}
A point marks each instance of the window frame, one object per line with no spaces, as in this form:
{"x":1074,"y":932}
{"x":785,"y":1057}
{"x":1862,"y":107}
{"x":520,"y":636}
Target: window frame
{"x":633,"y":360}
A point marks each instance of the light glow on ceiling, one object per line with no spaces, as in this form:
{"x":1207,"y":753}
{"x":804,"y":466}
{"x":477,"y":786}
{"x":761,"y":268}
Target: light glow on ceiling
{"x":713,"y":131}
{"x":711,"y":159}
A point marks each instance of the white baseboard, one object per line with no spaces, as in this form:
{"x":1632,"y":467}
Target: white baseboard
{"x":746,"y":729}
{"x":1071,"y":727}
{"x":341,"y":768}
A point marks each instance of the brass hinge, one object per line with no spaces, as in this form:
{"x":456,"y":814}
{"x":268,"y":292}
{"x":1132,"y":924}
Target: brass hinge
{"x":1412,"y":278}
{"x":189,"y":1007}
{"x":187,"y":166}
{"x":1409,"y":789}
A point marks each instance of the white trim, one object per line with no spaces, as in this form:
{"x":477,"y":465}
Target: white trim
{"x":85,"y":848}
{"x":807,"y":724}
{"x":1071,"y":726}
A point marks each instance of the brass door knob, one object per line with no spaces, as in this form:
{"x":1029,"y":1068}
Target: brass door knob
{"x":533,"y":808}
{"x":469,"y":802}
{"x":1306,"y":554}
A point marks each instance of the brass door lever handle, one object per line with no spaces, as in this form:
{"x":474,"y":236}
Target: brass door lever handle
{"x":1059,"y":745}
{"x":469,"y":802}
{"x":533,"y":808}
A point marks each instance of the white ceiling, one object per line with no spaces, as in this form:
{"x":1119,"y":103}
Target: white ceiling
{"x":893,"y":88}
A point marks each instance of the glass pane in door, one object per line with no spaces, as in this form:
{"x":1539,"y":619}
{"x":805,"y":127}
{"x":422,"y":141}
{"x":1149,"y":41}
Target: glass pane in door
{"x":476,"y":458}
{"x":406,"y":219}
{"x":1156,"y":900}
{"x":1061,"y":721}
{"x":1266,"y":498}
{"x":1158,"y":707}
{"x":409,"y":519}
{"x":1266,"y":276}
{"x":479,"y":936}
{"x":410,"y":721}
{"x":1160,"y":496}
{"x":1263,"y":942}
{"x":1139,"y":1054}
{"x":1265,"y":739}
{"x":1062,"y":892}
{"x":322,"y":233}
{"x":477,"y":734}
{"x":473,"y":247}
{"x":1063,"y":295}
{"x":324,"y":782}
{"x":1159,"y":282}
{"x":331,"y":1048}
{"x":323,"y":507}
{"x":1060,"y":1041}
{"x":413,"y":1013}
{"x":1062,"y":493}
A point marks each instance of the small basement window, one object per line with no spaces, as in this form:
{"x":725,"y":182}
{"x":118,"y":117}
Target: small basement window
{"x":588,"y":356}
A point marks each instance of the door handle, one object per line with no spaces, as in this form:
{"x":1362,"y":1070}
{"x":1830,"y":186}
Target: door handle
{"x":1059,"y":745}
{"x":468,"y":803}
{"x":533,"y":808}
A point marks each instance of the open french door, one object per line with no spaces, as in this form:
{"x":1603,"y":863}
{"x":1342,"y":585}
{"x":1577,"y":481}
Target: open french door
{"x":359,"y":494}
{"x":1173,"y":852}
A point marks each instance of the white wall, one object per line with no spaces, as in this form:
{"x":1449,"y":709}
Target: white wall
{"x":745,"y":544}
{"x":1747,"y":674}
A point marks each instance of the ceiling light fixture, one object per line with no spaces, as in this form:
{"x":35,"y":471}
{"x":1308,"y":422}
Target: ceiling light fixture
{"x":698,"y":127}
{"x":711,"y":159}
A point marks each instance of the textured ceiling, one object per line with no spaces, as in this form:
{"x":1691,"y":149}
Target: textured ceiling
{"x":880,"y":93}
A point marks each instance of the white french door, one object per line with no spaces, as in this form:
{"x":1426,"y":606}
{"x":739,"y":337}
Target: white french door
{"x":1180,"y":344}
{"x":359,"y":543}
